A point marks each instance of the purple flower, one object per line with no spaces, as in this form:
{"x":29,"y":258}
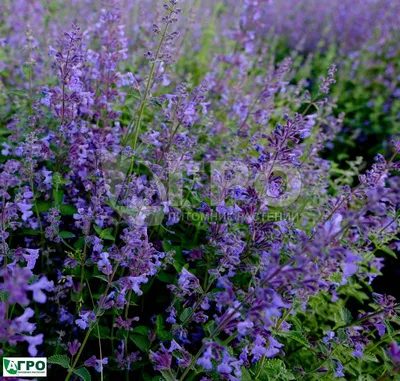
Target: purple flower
{"x":259,"y":349}
{"x":100,"y":363}
{"x":97,"y":364}
{"x":187,"y":282}
{"x":339,"y":369}
{"x":359,"y":350}
{"x":161,"y":358}
{"x":85,"y":318}
{"x":205,"y":359}
{"x":38,"y":287}
{"x":25,"y":209}
{"x":65,"y":316}
{"x":394,"y":352}
{"x":91,"y":361}
{"x":333,"y":226}
{"x":329,"y":336}
{"x":31,"y":257}
{"x":33,"y":341}
{"x":73,"y":347}
{"x":350,"y":268}
{"x":381,"y":327}
{"x":21,"y":323}
{"x":274,"y":347}
{"x":244,"y":326}
{"x":135,"y":283}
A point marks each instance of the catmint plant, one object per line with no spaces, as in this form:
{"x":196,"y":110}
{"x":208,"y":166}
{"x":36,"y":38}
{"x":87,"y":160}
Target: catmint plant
{"x":177,"y":201}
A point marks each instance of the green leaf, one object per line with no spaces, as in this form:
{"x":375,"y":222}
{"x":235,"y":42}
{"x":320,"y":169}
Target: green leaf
{"x":29,"y":231}
{"x":370,"y":358}
{"x":65,"y":234}
{"x":107,"y":234}
{"x":166,"y":278}
{"x":58,"y":196}
{"x":43,"y":206}
{"x":121,"y":334}
{"x":388,"y":250}
{"x":142,"y":342}
{"x":79,"y":243}
{"x":4,"y":295}
{"x":58,"y":180}
{"x":346,"y":315}
{"x":27,"y":70}
{"x":67,"y":210}
{"x":274,"y":369}
{"x":104,"y":332}
{"x":366,"y":377}
{"x":167,"y":376}
{"x":97,"y":229}
{"x":185,"y":314}
{"x":59,"y":360}
{"x":296,"y":336}
{"x":246,"y":376}
{"x":162,"y":333}
{"x":83,"y":373}
{"x":141,"y":329}
{"x":102,"y":277}
{"x":20,"y":93}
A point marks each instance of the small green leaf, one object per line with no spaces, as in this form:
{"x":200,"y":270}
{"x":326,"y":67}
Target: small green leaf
{"x":65,"y":234}
{"x":29,"y":231}
{"x":20,"y":93}
{"x":58,"y":196}
{"x":142,"y":342}
{"x":104,"y":332}
{"x":168,"y":376}
{"x":27,"y":70}
{"x":121,"y":334}
{"x":366,"y":377}
{"x":43,"y":206}
{"x":370,"y":358}
{"x":162,"y":333}
{"x":388,"y":250}
{"x":79,"y":243}
{"x":97,"y":229}
{"x":4,"y":295}
{"x":102,"y":277}
{"x":59,"y":360}
{"x":83,"y":373}
{"x":67,"y":210}
{"x":346,"y":315}
{"x":107,"y":234}
{"x":166,"y":278}
{"x":141,"y":329}
{"x":275,"y":369}
{"x":246,"y":376}
{"x":296,"y":336}
{"x":58,"y":180}
{"x":185,"y":314}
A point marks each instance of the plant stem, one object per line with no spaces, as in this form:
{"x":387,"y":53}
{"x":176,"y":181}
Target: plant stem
{"x":143,"y":102}
{"x":83,"y":259}
{"x":79,"y":353}
{"x":97,"y":314}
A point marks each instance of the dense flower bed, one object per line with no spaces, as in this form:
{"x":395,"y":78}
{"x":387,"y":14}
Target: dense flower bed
{"x":178,"y":196}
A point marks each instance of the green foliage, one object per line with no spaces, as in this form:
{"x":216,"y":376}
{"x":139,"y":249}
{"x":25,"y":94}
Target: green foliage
{"x":61,"y":360}
{"x":271,"y":369}
{"x":83,"y":373}
{"x":141,"y":341}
